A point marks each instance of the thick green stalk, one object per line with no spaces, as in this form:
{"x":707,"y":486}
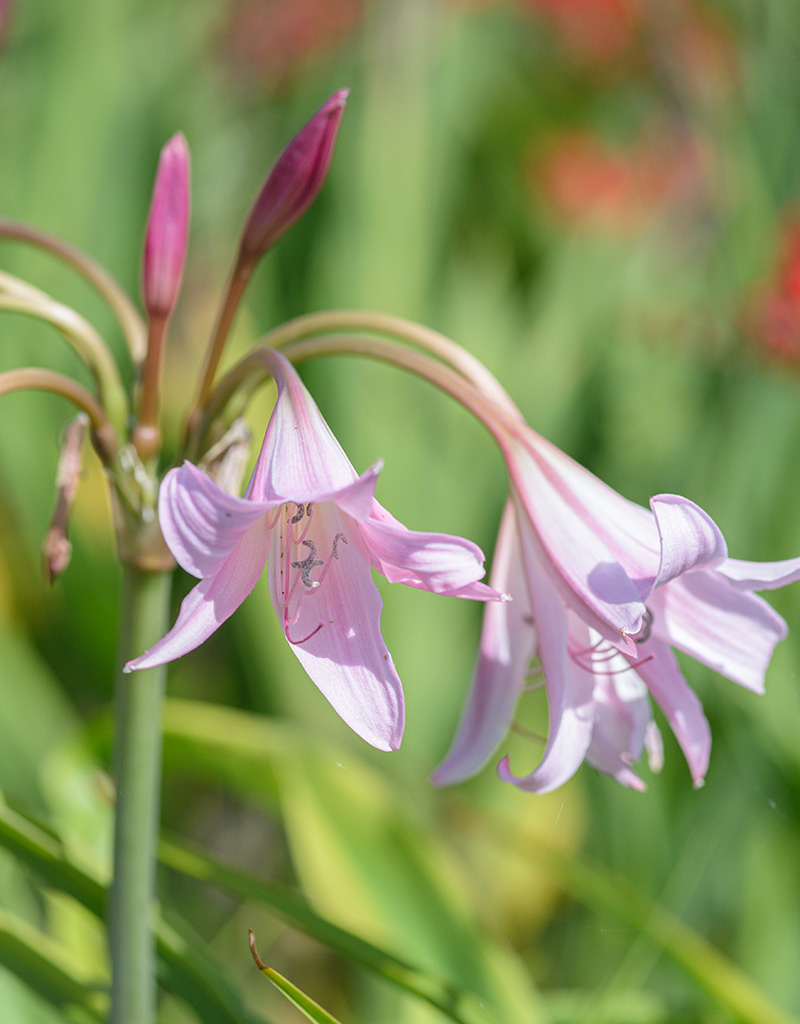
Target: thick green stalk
{"x":137,"y":771}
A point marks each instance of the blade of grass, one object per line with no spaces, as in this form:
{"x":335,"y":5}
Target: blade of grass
{"x":305,"y":1004}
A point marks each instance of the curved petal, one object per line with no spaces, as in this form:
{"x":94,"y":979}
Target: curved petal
{"x":682,"y":709}
{"x":507,"y":645}
{"x":212,"y":601}
{"x":760,"y":575}
{"x":201,"y":523}
{"x":569,"y":687}
{"x":334,"y":629}
{"x":300,"y":459}
{"x":690,"y":539}
{"x":627,"y":529}
{"x":732,"y":631}
{"x":437,"y":562}
{"x":580,"y":564}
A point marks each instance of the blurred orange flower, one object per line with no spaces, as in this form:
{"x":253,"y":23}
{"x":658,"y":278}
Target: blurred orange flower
{"x":774,"y":318}
{"x":617,"y":189}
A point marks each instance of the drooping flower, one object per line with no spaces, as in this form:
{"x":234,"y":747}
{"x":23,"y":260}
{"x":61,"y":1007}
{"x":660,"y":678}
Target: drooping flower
{"x":603,"y":589}
{"x":316,"y":525}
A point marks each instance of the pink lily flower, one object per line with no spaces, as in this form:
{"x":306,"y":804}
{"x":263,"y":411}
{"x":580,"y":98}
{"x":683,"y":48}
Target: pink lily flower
{"x":316,"y":525}
{"x":603,"y":589}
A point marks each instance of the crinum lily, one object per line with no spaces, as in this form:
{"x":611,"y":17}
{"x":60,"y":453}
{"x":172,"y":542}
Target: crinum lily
{"x":602,"y":587}
{"x":316,"y":525}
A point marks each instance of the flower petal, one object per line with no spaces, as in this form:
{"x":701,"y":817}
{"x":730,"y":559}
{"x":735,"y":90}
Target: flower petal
{"x":690,"y":539}
{"x":569,"y":687}
{"x":300,"y":459}
{"x":684,"y":712}
{"x":627,"y":529}
{"x":507,"y":645}
{"x":436,"y":562}
{"x":580,"y":564}
{"x":334,"y":630}
{"x":760,"y":575}
{"x":732,"y":631}
{"x":622,"y":715}
{"x":213,"y":600}
{"x":201,"y":523}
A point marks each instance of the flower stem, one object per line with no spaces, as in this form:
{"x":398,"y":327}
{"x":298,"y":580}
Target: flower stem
{"x":137,"y":772}
{"x":234,"y":290}
{"x":126,"y":313}
{"x":355,"y":321}
{"x":35,"y":379}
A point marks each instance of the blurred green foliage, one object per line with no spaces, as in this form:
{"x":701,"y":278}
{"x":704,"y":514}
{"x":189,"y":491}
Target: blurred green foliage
{"x":593,"y":197}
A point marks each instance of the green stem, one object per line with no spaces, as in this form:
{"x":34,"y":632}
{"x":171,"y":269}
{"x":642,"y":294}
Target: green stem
{"x":137,"y":769}
{"x":126,"y":313}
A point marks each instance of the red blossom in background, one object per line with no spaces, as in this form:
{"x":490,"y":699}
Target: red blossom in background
{"x":594,"y":30}
{"x":773,"y":319}
{"x":617,"y":189}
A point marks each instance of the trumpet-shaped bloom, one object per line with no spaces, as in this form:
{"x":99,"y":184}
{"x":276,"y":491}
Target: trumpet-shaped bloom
{"x":316,"y":525}
{"x":602,"y":590}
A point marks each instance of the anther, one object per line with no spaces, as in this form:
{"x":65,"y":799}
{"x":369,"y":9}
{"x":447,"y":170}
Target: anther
{"x":301,"y":511}
{"x":308,"y":564}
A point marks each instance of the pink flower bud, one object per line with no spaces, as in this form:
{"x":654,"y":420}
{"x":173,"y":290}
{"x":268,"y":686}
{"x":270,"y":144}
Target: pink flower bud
{"x":167,"y":229}
{"x":294,"y":181}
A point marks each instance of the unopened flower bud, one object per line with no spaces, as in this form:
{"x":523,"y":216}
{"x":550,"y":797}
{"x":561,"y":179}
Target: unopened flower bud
{"x":56,"y":548}
{"x":167,"y":229}
{"x":294,"y":181}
